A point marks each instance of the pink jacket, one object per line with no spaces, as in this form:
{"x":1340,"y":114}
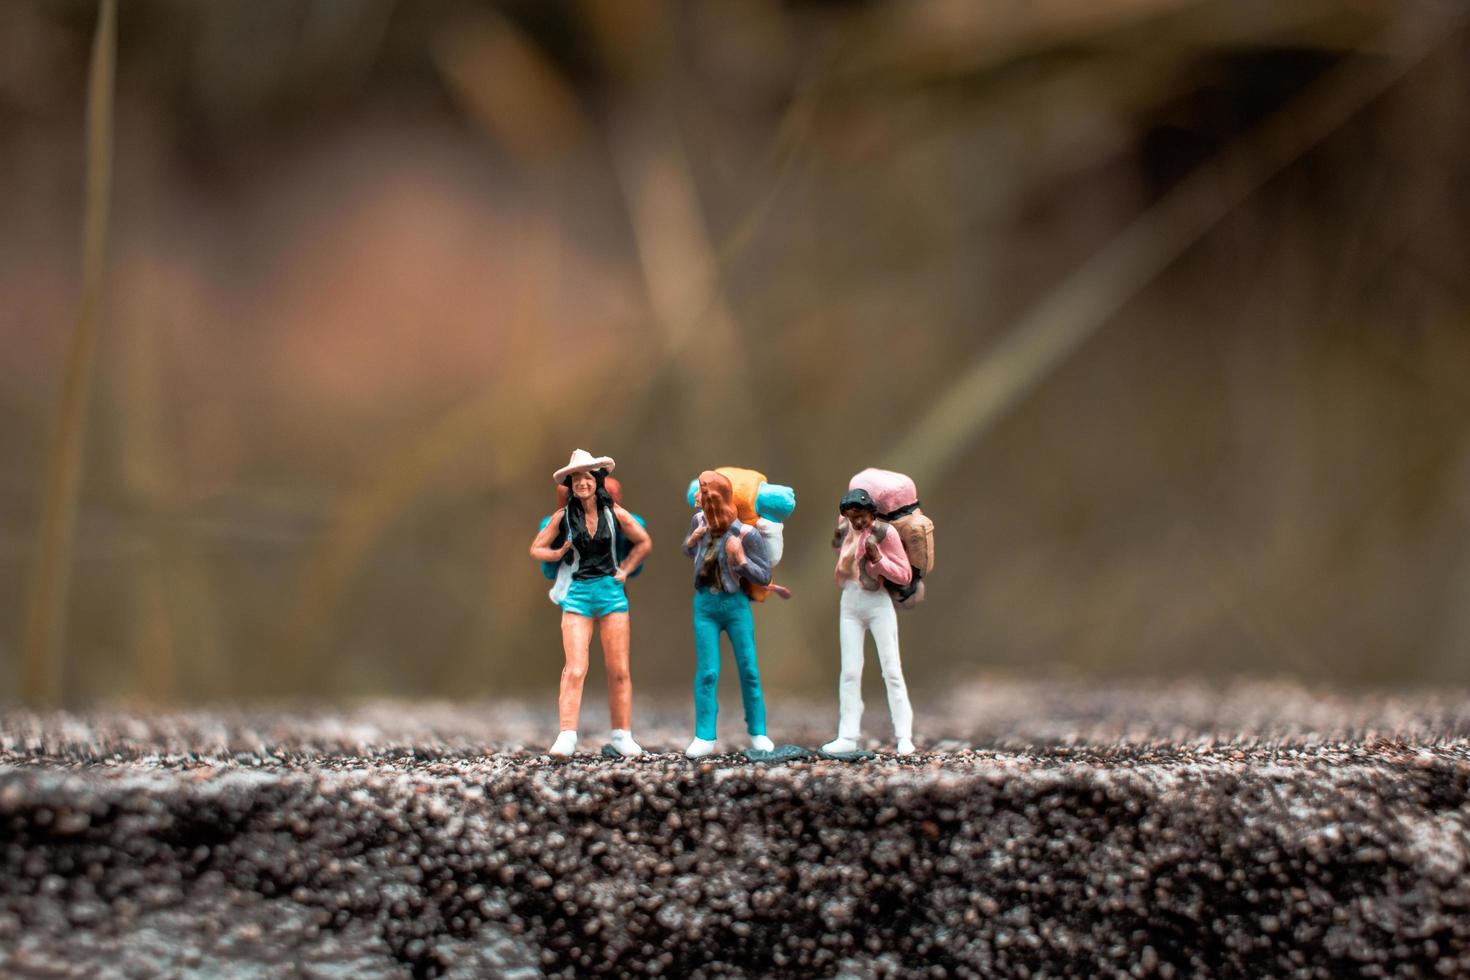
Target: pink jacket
{"x":892,"y":563}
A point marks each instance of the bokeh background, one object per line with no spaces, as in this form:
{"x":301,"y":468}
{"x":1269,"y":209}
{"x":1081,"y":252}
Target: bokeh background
{"x":1163,"y":302}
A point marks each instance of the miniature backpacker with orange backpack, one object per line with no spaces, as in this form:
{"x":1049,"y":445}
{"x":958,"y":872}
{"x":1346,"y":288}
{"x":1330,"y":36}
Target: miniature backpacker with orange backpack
{"x":763,"y":508}
{"x":898,"y":504}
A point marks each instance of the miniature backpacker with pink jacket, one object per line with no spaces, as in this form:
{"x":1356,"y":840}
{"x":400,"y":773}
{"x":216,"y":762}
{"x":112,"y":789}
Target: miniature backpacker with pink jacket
{"x":898,"y":504}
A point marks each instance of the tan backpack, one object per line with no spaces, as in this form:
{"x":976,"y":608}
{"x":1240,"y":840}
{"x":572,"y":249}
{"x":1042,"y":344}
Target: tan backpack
{"x":898,"y":504}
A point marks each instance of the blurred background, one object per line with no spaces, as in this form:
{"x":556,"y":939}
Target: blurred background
{"x":1164,"y":303}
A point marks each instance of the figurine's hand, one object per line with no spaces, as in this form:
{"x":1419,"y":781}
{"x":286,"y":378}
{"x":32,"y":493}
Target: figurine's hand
{"x":735,"y":550}
{"x":562,"y":551}
{"x":871,"y":550}
{"x":621,"y":575}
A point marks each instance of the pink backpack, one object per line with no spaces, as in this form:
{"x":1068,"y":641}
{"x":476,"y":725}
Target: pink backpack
{"x":898,"y":504}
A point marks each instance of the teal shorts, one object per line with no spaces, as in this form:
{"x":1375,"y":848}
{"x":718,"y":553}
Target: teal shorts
{"x":595,"y":597}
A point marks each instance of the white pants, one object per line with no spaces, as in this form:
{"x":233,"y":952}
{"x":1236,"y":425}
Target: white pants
{"x":870,"y":611}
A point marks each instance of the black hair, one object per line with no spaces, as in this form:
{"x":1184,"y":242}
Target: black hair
{"x":858,"y":499}
{"x":577,"y":517}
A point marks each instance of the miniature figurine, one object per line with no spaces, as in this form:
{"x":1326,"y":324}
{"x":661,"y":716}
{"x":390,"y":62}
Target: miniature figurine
{"x":589,"y":589}
{"x":897,"y":500}
{"x":764,"y":506}
{"x":879,"y":565}
{"x":732,"y":566}
{"x":623,"y":547}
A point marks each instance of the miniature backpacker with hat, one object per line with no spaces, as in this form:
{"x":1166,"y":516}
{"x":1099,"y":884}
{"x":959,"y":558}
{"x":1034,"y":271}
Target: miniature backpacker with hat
{"x":898,"y":504}
{"x":567,"y":567}
{"x":560,"y":572}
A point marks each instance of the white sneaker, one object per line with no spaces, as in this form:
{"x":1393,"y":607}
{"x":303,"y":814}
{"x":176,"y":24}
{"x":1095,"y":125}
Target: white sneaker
{"x":761,"y":743}
{"x":699,"y":748}
{"x":565,"y":744}
{"x":905,"y":746}
{"x":622,"y":742}
{"x":840,"y":745}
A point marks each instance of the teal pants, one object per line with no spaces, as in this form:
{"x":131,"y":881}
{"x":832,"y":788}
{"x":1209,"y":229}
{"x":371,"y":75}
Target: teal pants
{"x":728,"y":611}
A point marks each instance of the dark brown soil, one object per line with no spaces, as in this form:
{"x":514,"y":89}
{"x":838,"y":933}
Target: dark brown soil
{"x":1045,"y":830}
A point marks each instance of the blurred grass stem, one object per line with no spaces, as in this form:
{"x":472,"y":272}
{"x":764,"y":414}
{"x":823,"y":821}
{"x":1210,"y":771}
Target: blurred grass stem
{"x":1070,"y":314}
{"x":1066,"y":317}
{"x":42,"y":650}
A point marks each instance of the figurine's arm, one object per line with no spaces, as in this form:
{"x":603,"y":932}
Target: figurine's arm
{"x":840,"y":534}
{"x":541,"y":549}
{"x":697,"y":529}
{"x":642,"y":543}
{"x":892,"y":562}
{"x":746,"y":555}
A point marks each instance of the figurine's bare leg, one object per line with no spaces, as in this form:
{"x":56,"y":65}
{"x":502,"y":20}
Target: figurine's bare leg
{"x":883,"y":621}
{"x":614,"y":630}
{"x":576,"y":637}
{"x":852,"y":625}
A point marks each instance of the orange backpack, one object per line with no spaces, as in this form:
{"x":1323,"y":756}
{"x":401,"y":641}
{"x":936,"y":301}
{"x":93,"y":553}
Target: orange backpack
{"x":746,"y":485}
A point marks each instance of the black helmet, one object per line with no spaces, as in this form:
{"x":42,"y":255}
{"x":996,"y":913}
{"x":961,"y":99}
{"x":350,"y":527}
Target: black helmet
{"x":859,"y":499}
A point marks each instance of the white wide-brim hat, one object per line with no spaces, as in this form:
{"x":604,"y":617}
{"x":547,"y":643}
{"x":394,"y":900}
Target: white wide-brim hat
{"x":583,"y":462}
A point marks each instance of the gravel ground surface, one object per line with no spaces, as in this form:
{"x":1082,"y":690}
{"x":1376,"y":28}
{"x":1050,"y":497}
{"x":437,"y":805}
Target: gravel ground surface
{"x":1044,"y":830}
